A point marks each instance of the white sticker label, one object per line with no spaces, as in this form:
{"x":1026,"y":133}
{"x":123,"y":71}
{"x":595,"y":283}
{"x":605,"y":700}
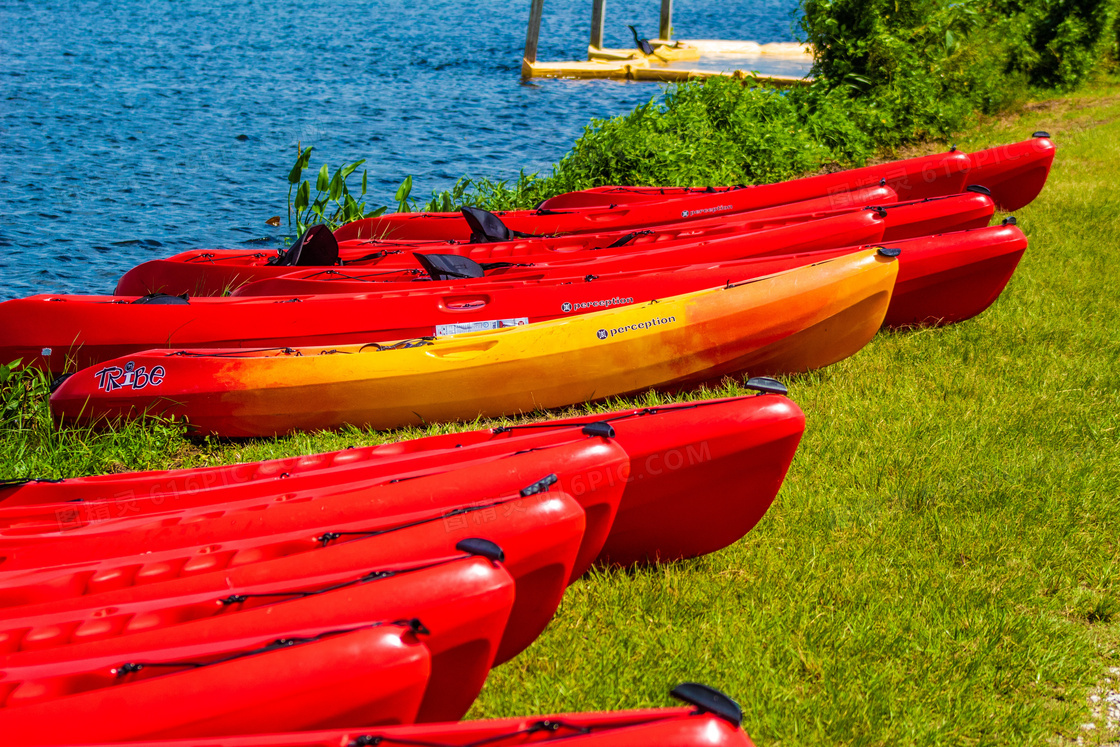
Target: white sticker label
{"x":442,"y":330}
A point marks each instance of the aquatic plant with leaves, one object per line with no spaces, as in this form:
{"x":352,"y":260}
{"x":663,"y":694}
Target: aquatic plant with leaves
{"x":490,"y":194}
{"x":403,"y":192}
{"x":333,"y":203}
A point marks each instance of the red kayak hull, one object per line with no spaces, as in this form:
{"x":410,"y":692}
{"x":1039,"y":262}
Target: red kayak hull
{"x":676,"y":452}
{"x":1014,"y":173}
{"x":216,"y":272}
{"x":42,"y":522}
{"x":540,"y":536}
{"x":950,"y":278}
{"x":899,"y":222}
{"x":36,"y":566}
{"x":760,"y":442}
{"x":664,"y":727}
{"x":325,"y":683}
{"x":463,"y":603}
{"x":613,"y":208}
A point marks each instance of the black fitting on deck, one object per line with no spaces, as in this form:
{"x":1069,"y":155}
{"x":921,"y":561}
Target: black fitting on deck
{"x":600,"y":428}
{"x":58,"y":382}
{"x":540,"y":486}
{"x":766,"y":385}
{"x":709,"y":700}
{"x":481,"y":547}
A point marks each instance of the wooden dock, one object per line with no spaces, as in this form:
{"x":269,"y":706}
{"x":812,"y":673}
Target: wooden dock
{"x":667,"y":60}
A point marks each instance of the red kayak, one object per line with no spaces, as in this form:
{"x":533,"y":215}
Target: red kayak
{"x":953,"y":277}
{"x":216,"y":272}
{"x":714,"y":437}
{"x":713,"y":720}
{"x":1014,"y":173}
{"x":107,"y":330}
{"x":41,"y":522}
{"x":612,"y":208}
{"x":57,"y":332}
{"x":540,"y":536}
{"x":312,"y":678}
{"x":205,"y":539}
{"x":462,"y":605}
{"x":899,"y":222}
{"x":483,"y":304}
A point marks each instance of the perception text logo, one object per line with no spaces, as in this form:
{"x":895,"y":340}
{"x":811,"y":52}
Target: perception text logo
{"x":112,"y":378}
{"x":603,"y":303}
{"x":603,"y":334}
{"x":703,"y":211}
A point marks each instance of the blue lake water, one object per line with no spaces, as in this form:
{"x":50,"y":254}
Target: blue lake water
{"x":136,"y":129}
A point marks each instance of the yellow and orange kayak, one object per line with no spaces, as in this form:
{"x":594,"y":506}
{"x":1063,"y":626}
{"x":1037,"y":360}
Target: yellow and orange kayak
{"x":783,"y":323}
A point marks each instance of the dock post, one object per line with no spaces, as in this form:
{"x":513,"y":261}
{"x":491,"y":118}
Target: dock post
{"x":536,"y":9}
{"x":598,"y":16}
{"x":666,"y":26}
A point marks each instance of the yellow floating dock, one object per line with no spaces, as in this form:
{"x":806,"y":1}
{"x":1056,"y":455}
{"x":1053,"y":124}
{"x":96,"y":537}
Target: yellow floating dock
{"x":780,"y":65}
{"x":641,"y":69}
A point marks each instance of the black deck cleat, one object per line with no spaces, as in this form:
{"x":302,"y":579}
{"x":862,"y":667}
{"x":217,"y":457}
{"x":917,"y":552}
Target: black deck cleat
{"x":600,"y":428}
{"x":766,"y":385}
{"x":540,"y":486}
{"x":709,"y":700}
{"x":481,"y":547}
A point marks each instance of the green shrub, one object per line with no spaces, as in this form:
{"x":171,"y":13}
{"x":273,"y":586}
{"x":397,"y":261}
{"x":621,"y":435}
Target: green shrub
{"x":1057,"y":43}
{"x":721,"y":132}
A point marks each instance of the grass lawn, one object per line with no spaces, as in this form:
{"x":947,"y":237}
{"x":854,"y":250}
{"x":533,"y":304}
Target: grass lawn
{"x":942,"y":564}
